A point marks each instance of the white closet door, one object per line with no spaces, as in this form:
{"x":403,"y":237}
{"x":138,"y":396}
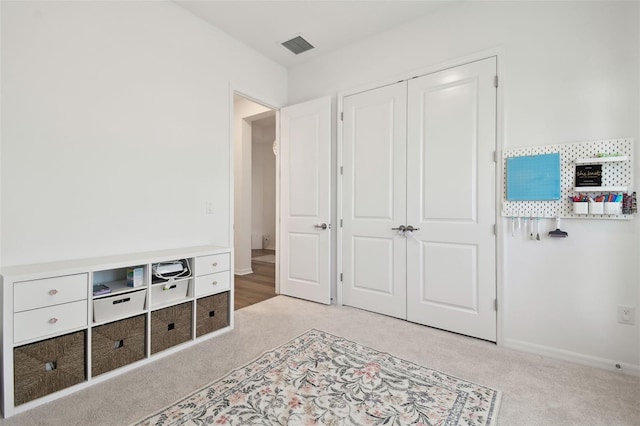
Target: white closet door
{"x":451,"y":267}
{"x":305,"y":203}
{"x":374,"y":200}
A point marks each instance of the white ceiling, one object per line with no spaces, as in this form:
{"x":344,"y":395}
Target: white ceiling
{"x":327,"y":25}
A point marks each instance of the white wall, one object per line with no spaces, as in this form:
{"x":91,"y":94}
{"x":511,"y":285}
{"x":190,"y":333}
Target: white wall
{"x":569,"y":72}
{"x":116,"y":127}
{"x":244,"y":112}
{"x":264,"y":182}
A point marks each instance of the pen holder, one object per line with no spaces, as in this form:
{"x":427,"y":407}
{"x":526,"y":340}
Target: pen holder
{"x":580,"y":207}
{"x":612,"y":208}
{"x":596,"y":207}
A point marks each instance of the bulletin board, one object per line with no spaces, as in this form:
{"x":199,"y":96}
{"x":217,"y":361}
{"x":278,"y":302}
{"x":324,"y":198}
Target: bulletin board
{"x":613,"y":174}
{"x":533,"y":177}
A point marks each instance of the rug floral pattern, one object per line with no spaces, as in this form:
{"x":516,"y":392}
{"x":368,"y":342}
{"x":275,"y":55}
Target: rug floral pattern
{"x":321,"y":379}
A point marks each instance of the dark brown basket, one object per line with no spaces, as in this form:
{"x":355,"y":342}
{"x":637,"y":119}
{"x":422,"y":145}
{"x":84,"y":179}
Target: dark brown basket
{"x":212,"y":313}
{"x":117,"y":344}
{"x":47,"y":366}
{"x":171,"y":326}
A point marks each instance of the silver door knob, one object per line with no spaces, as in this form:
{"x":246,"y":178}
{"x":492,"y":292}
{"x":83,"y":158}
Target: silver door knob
{"x":321,"y":226}
{"x":411,"y":228}
{"x":400,"y":228}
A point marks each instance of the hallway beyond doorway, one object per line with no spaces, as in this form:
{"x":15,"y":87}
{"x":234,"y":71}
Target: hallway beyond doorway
{"x":258,"y":286}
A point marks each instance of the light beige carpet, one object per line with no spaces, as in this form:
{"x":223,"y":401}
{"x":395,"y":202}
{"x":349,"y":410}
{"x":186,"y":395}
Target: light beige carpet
{"x":536,"y":390}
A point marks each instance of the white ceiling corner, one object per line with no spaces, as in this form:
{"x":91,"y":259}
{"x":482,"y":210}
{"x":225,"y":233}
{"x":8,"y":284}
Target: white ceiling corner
{"x":327,"y":25}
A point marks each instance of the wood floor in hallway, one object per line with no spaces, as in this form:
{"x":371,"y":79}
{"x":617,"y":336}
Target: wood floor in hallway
{"x":258,"y":286}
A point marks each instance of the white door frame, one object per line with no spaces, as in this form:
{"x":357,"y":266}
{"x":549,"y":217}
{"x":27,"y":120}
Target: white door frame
{"x":234,"y":90}
{"x":499,"y":54}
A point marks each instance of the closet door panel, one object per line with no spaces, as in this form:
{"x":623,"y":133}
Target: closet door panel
{"x":449,"y":158}
{"x":451,"y":277}
{"x":374,"y":200}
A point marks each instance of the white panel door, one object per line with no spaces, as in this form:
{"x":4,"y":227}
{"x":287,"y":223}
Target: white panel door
{"x":374,"y":200}
{"x":451,"y":266}
{"x":305,"y":203}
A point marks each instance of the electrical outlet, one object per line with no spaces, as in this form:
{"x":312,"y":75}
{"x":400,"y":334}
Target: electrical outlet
{"x":626,"y":315}
{"x":209,"y":207}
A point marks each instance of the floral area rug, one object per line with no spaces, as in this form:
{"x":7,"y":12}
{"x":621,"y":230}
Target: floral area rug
{"x":321,"y":379}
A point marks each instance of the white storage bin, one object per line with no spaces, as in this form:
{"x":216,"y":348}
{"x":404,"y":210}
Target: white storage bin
{"x":612,"y":208}
{"x":175,"y":291}
{"x":596,"y":208}
{"x":119,"y":305}
{"x":580,"y":207}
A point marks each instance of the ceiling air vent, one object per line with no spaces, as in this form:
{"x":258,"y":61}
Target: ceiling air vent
{"x":297,"y":45}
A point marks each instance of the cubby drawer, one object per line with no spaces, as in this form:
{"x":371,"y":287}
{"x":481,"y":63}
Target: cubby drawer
{"x":212,"y":283}
{"x":49,"y":291}
{"x":211,"y":264}
{"x":47,"y":321}
{"x":45,"y":367}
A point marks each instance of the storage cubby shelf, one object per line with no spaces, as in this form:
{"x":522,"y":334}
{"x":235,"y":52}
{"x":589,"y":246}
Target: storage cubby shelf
{"x":118,"y":318}
{"x":44,"y":304}
{"x":117,"y":287}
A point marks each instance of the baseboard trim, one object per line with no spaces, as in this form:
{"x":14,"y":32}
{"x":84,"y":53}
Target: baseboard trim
{"x":578,"y":358}
{"x":243,"y":271}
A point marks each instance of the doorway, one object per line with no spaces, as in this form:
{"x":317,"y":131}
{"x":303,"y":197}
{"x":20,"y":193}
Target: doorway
{"x":254,"y":201}
{"x":302,"y":186}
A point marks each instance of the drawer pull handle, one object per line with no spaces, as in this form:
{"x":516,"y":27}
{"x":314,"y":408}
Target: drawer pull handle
{"x":125,"y":300}
{"x":53,"y":320}
{"x":215,"y":283}
{"x":53,"y":292}
{"x":214,"y":264}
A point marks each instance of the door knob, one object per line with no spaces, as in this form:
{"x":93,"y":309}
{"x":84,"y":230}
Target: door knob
{"x":401,"y":229}
{"x":322,"y":226}
{"x":409,"y":231}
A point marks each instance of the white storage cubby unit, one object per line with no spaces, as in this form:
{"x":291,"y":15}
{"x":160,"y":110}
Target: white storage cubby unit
{"x":59,"y":337}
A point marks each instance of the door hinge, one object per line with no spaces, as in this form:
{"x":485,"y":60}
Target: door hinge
{"x":340,"y":223}
{"x":495,"y":229}
{"x":495,"y":304}
{"x":495,"y":81}
{"x":340,"y":276}
{"x":495,"y":156}
{"x":341,"y":170}
{"x":342,"y":116}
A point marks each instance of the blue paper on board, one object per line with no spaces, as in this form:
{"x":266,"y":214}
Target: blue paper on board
{"x":533,"y":178}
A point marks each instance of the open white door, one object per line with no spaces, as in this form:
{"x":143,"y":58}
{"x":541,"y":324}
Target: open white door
{"x":305,"y":200}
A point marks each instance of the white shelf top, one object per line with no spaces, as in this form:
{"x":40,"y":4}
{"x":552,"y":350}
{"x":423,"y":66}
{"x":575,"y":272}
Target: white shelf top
{"x":597,"y":160}
{"x":68,"y":267}
{"x":600,"y":188}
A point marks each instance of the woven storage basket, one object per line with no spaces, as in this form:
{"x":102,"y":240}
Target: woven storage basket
{"x":212,"y":313}
{"x":171,"y":326}
{"x":117,"y":344}
{"x":47,"y":366}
